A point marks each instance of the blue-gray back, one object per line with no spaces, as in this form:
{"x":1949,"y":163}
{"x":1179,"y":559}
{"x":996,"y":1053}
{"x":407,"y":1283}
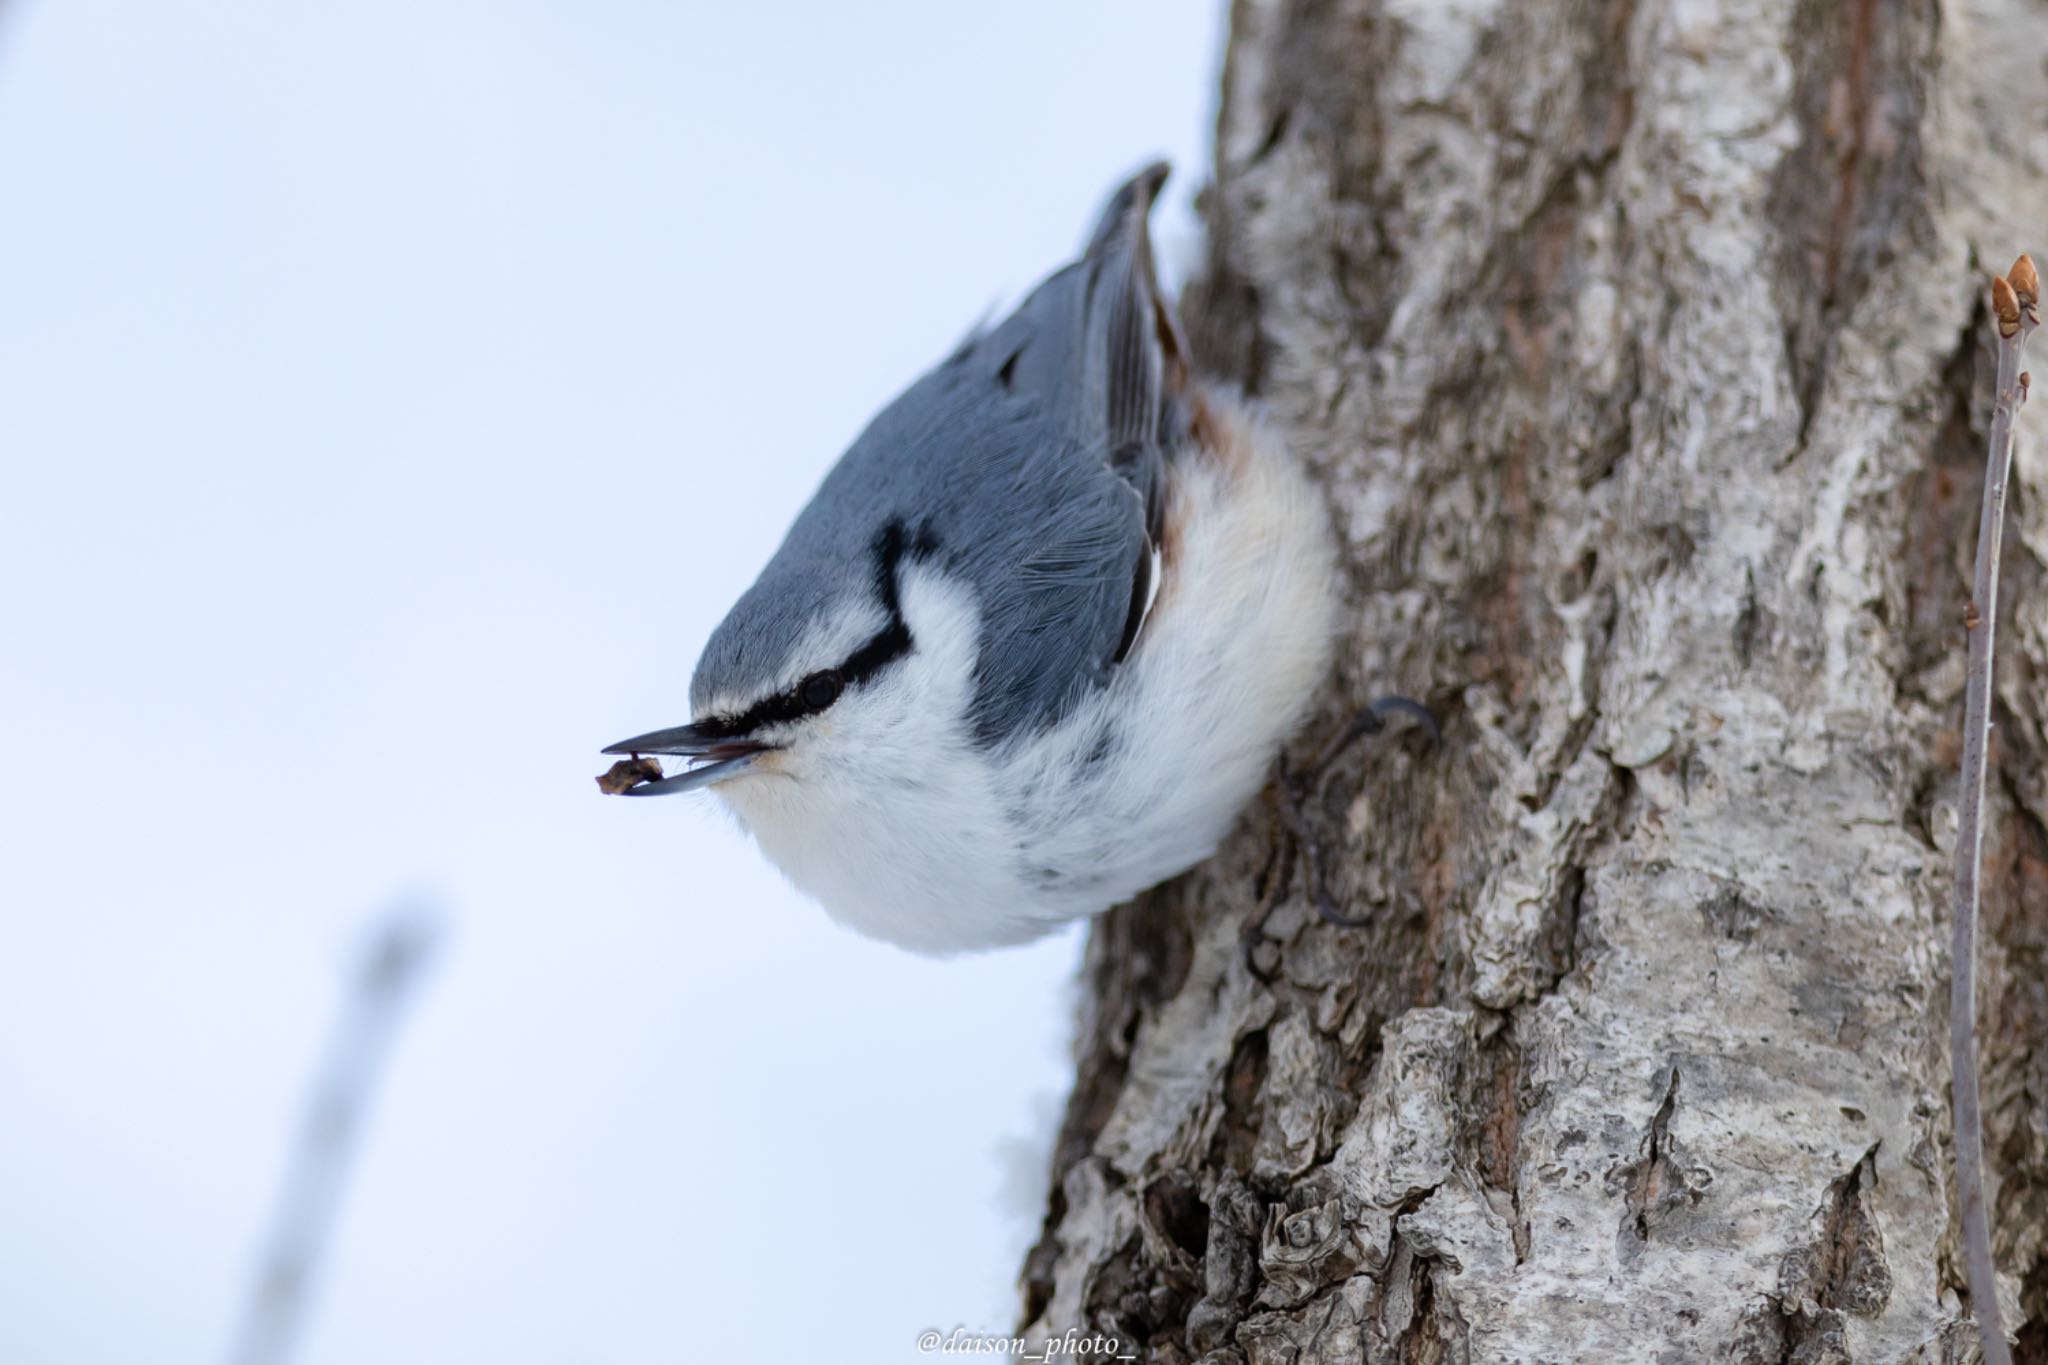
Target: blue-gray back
{"x":1030,"y":465}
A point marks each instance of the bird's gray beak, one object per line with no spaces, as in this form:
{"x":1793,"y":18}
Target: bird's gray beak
{"x":725,"y":757}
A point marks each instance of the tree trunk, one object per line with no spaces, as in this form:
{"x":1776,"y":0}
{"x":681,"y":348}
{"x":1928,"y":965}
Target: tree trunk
{"x":1643,"y":351}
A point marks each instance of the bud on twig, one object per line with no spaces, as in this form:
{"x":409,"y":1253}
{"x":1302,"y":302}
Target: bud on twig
{"x":2015,"y":302}
{"x":2026,"y":282}
{"x":2005,"y":306}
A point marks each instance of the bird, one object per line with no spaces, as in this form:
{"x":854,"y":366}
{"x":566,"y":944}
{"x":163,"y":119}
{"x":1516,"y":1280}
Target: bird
{"x":1037,"y":638}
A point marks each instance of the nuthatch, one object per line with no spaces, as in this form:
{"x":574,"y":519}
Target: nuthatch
{"x":1037,"y":637}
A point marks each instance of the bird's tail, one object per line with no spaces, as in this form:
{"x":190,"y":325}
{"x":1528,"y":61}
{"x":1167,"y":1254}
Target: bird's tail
{"x":1134,"y":341}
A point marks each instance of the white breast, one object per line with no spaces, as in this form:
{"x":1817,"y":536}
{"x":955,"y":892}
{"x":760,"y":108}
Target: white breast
{"x":899,"y":826}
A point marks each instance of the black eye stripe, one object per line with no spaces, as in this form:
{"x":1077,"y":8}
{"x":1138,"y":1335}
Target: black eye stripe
{"x":888,"y":644}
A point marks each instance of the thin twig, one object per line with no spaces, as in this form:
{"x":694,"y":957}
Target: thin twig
{"x":2015,"y":307}
{"x":303,"y":1219}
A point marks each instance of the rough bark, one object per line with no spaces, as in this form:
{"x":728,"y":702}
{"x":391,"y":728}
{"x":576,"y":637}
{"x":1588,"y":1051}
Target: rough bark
{"x":1642,"y":348}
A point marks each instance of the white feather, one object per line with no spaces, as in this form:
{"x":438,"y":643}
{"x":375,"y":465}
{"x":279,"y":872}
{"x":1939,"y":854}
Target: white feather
{"x":885,"y":811}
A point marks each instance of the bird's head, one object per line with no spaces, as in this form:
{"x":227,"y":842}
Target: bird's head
{"x":810,"y":651}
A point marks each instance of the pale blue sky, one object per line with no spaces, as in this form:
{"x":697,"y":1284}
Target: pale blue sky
{"x":392,"y":396}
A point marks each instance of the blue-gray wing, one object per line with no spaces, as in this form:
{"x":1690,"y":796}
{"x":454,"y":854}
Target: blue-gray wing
{"x":1031,"y":464}
{"x":1096,"y":351}
{"x":1093,"y":355}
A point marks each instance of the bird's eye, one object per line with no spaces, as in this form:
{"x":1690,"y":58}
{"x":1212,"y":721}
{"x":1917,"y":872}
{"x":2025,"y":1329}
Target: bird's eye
{"x":820,"y":690}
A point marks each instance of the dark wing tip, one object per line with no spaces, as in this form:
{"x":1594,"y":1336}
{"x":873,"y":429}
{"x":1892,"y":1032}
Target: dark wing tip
{"x":1132,"y":334}
{"x":1132,"y":200}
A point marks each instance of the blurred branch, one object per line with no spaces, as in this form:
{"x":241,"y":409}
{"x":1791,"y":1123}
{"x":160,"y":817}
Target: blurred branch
{"x":302,"y":1222}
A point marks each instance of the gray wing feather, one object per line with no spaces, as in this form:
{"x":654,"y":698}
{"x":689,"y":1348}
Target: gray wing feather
{"x":1031,"y":464}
